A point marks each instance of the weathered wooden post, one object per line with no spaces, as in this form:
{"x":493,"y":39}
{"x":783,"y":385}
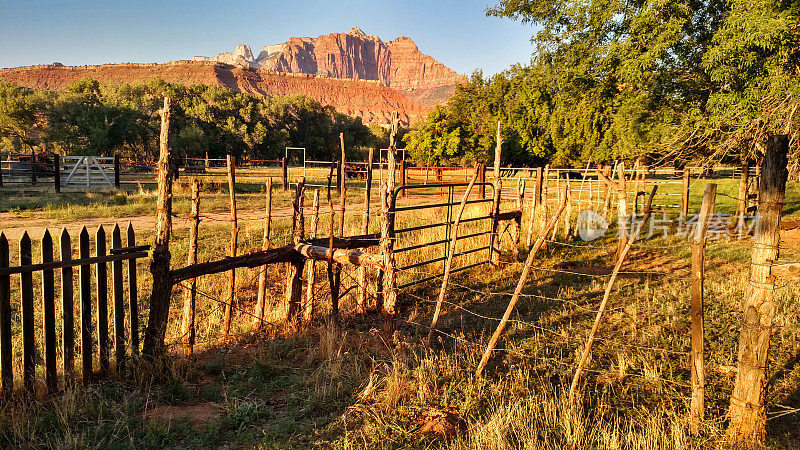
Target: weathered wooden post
{"x":361,"y":306}
{"x":497,"y":150}
{"x":294,"y":269}
{"x":101,"y":284}
{"x":133,"y":300}
{"x":741,"y":209}
{"x":623,"y":209}
{"x":606,"y":191}
{"x":261,"y":299}
{"x":341,"y":175}
{"x":159,"y":265}
{"x":747,"y":410}
{"x":536,"y":201}
{"x":494,"y":239}
{"x":190,"y":296}
{"x":116,"y":171}
{"x":285,"y":173}
{"x":685,"y":193}
{"x":308,"y":311}
{"x":697,"y":362}
{"x":56,"y":173}
{"x":226,"y":323}
{"x":517,"y":223}
{"x":85,"y":282}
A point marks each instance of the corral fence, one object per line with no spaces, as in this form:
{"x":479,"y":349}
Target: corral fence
{"x":96,"y":340}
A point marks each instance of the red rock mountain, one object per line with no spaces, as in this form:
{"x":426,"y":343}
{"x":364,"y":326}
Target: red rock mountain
{"x":357,"y":74}
{"x":397,"y":64}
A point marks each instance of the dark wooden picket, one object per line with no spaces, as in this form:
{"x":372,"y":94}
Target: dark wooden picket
{"x":26,"y":268}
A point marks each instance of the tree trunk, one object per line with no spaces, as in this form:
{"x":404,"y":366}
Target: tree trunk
{"x":747,"y":411}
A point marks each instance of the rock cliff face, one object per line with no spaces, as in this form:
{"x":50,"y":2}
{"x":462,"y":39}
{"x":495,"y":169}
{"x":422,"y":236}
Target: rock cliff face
{"x":397,"y":64}
{"x":370,"y":100}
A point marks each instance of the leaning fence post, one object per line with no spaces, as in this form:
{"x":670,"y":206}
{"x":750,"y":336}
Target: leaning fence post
{"x":159,"y":264}
{"x":190,"y":295}
{"x":226,"y":324}
{"x":119,"y":304}
{"x":747,"y":410}
{"x":6,"y":353}
{"x":607,"y":294}
{"x":526,"y":269}
{"x":49,"y":315}
{"x":697,"y":363}
{"x":261,"y":300}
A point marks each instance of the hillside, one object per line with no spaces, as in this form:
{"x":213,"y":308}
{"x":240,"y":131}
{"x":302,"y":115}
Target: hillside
{"x":369,"y":100}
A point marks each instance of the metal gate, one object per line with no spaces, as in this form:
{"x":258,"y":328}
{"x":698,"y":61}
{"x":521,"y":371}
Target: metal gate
{"x":89,"y":171}
{"x":429,"y":231}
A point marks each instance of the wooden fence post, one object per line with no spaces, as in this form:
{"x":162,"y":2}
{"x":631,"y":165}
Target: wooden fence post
{"x":623,"y":210}
{"x":606,"y":191}
{"x":685,"y":193}
{"x":159,"y":265}
{"x":116,"y":171}
{"x":102,"y":301}
{"x":388,"y":236}
{"x":133,"y":293}
{"x":361,"y":306}
{"x":84,"y":274}
{"x":49,"y":315}
{"x":28,"y":338}
{"x":536,"y":201}
{"x":261,"y":300}
{"x":517,"y":223}
{"x":697,"y":362}
{"x":741,"y":209}
{"x":56,"y":173}
{"x":190,"y":295}
{"x":308,"y":311}
{"x":497,"y":151}
{"x":226,"y":324}
{"x":403,"y":176}
{"x":6,"y":352}
{"x":117,"y":289}
{"x":494,"y":239}
{"x":747,"y":410}
{"x":67,"y":309}
{"x":294,"y":269}
{"x":341,"y":176}
{"x":285,"y":173}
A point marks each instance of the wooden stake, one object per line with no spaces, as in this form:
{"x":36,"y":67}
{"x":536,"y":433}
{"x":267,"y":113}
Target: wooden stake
{"x":685,"y":193}
{"x":387,"y":240}
{"x":497,"y":151}
{"x":361,"y":306}
{"x":190,"y":296}
{"x":159,"y":265}
{"x":294,"y":269}
{"x":747,"y":411}
{"x":308,"y":311}
{"x":226,"y":322}
{"x":285,"y":174}
{"x":341,"y":178}
{"x":448,"y":262}
{"x":494,"y":239}
{"x":588,"y":348}
{"x":517,"y":223}
{"x":261,"y":300}
{"x":526,"y":269}
{"x":697,"y":362}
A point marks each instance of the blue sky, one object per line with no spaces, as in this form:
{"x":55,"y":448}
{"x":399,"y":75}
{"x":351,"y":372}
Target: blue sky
{"x":457,"y":33}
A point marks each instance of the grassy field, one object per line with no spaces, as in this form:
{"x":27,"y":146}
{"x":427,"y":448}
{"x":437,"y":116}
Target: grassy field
{"x":347,"y":384}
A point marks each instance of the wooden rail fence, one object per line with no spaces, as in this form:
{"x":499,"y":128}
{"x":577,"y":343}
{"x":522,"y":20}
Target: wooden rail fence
{"x":93,"y":325}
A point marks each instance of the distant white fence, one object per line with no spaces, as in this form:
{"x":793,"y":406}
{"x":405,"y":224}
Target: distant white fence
{"x":89,"y":172}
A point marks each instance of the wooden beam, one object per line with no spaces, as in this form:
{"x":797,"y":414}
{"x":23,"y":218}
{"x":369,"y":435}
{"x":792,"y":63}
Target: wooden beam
{"x":343,"y":256}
